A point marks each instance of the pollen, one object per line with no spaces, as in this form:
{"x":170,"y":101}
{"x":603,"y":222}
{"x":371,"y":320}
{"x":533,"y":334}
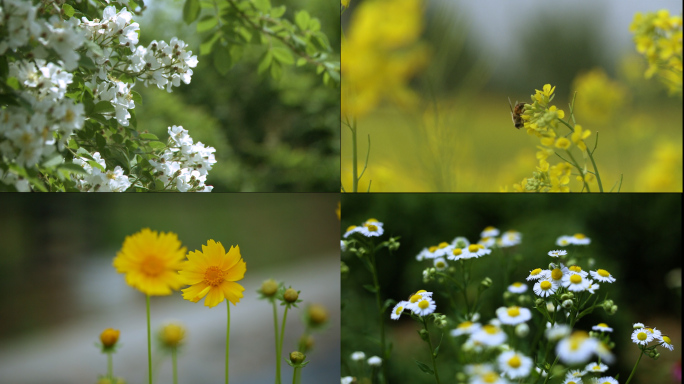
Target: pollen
{"x":575,"y":268}
{"x":513,"y":312}
{"x":424,"y":304}
{"x":536,"y":272}
{"x":667,"y":339}
{"x":603,"y":325}
{"x":473,"y":248}
{"x":642,"y":336}
{"x":579,"y":236}
{"x":433,"y":248}
{"x":575,"y":279}
{"x":467,"y":324}
{"x":415,"y":298}
{"x":399,"y":310}
{"x":545,"y":285}
{"x":490,"y":329}
{"x":213,"y":276}
{"x":603,"y":272}
{"x":556,"y":274}
{"x":443,"y":245}
{"x":151,"y":266}
{"x":457,"y":252}
{"x":514,"y":361}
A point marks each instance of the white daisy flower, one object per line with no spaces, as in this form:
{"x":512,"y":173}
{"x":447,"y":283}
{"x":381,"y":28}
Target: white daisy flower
{"x":637,"y":325}
{"x":398,"y":310}
{"x":596,"y":367}
{"x":440,"y":264}
{"x":460,"y":242}
{"x":477,"y":250}
{"x":538,"y":273}
{"x":343,"y":246}
{"x":423,"y":254}
{"x":593,"y":287}
{"x":465,"y":328}
{"x":374,"y":361}
{"x":517,"y":287}
{"x":564,"y":241}
{"x":573,"y":380}
{"x":489,"y":232}
{"x":371,"y":230}
{"x":602,"y":327}
{"x":490,"y":377}
{"x":604,"y":353}
{"x":575,"y":374}
{"x":513,"y":315}
{"x":576,"y":348}
{"x":424,"y":307}
{"x":351,"y":230}
{"x":358,"y":356}
{"x":666,"y":342}
{"x":509,"y":239}
{"x":654,"y":332}
{"x":575,"y":282}
{"x":373,"y":222}
{"x":558,"y":253}
{"x":557,"y":332}
{"x":544,"y":288}
{"x":603,"y":276}
{"x":575,"y":269}
{"x":641,"y":336}
{"x":580,"y":239}
{"x":487,"y":242}
{"x":606,"y":380}
{"x":347,"y":380}
{"x":489,"y":335}
{"x":514,"y":365}
{"x":442,"y":249}
{"x":540,"y":372}
{"x":458,"y":254}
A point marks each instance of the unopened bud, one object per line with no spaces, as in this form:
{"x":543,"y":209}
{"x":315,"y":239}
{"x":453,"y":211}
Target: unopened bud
{"x":567,"y":304}
{"x":109,"y":337}
{"x":522,"y":330}
{"x":291,"y":295}
{"x":269,"y":287}
{"x":297,"y":357}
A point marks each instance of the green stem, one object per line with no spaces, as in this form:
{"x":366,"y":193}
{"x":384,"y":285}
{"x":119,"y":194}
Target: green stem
{"x":294,"y":376}
{"x":149,"y":340}
{"x":227,"y":338}
{"x":548,"y":374}
{"x":355,"y":171}
{"x":635,"y":366}
{"x":432,"y":355}
{"x":593,"y":163}
{"x":465,"y":290}
{"x":174,"y":365}
{"x":275,"y":327}
{"x":109,"y":367}
{"x":380,"y":317}
{"x":280,"y":343}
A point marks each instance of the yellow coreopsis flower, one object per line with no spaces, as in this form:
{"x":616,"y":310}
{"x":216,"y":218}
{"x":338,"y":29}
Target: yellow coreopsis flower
{"x":151,"y":261}
{"x":213,"y":273}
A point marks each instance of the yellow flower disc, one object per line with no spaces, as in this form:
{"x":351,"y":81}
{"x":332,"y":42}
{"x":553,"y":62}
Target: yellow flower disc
{"x":603,"y":272}
{"x":545,"y":285}
{"x":513,"y":312}
{"x":514,"y":361}
{"x":575,"y":279}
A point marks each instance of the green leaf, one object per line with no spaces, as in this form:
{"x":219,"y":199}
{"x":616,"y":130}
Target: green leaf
{"x":425,"y":368}
{"x":117,"y":138}
{"x":13,"y":83}
{"x":265,"y":62}
{"x":103,"y":107}
{"x":283,"y":55}
{"x":148,"y":136}
{"x":68,"y":10}
{"x":277,"y":12}
{"x":222,"y":60}
{"x":95,"y":164}
{"x":262,"y":5}
{"x":72,"y":168}
{"x":301,"y":61}
{"x":302,"y":19}
{"x":206,"y":46}
{"x":236,"y":53}
{"x":156,"y":145}
{"x":370,"y":288}
{"x":276,"y":70}
{"x":191,"y":11}
{"x":388,"y":303}
{"x":137,"y":98}
{"x":206,"y":23}
{"x":314,"y":25}
{"x":101,"y":141}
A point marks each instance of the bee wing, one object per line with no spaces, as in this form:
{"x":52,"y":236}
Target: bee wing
{"x":510,"y":105}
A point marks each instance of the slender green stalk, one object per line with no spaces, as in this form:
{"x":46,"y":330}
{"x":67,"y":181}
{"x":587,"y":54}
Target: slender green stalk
{"x":294,"y":375}
{"x":376,"y":284}
{"x":548,"y":375}
{"x":635,"y":366}
{"x":275,"y":327}
{"x":174,"y":365}
{"x":109,"y":367}
{"x":432,"y":354}
{"x":149,"y":340}
{"x":355,"y":171}
{"x":227,"y":339}
{"x":280,"y":343}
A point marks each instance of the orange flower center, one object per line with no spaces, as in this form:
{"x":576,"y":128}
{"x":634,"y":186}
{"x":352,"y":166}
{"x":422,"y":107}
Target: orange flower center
{"x":213,"y":276}
{"x":152,"y":266}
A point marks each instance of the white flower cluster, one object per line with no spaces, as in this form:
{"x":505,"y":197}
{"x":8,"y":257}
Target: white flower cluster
{"x":163,"y":65}
{"x":62,"y":36}
{"x":185,"y":163}
{"x":100,"y":179}
{"x":29,"y":137}
{"x":420,"y":303}
{"x":370,"y":228}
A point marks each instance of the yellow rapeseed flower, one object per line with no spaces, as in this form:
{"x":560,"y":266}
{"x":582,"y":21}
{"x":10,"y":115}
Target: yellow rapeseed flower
{"x":213,"y":273}
{"x":151,"y":261}
{"x":578,"y":137}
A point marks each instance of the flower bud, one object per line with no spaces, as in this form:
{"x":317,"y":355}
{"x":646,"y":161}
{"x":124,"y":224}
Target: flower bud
{"x":485,"y":283}
{"x":613,"y":309}
{"x":550,"y":308}
{"x":297,"y":357}
{"x":318,"y":315}
{"x":539,"y":303}
{"x":109,"y":337}
{"x":269,"y":287}
{"x":522,"y":330}
{"x":507,"y":295}
{"x":567,"y":304}
{"x":344,"y":270}
{"x":423,"y":334}
{"x":172,"y":335}
{"x":291,"y":295}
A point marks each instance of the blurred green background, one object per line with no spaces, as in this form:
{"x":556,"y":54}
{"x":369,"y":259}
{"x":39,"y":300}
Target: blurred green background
{"x":459,"y":135}
{"x":280,"y":136}
{"x":637,"y":237}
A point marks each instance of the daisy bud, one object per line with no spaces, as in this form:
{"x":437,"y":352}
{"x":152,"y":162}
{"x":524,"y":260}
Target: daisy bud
{"x":461,"y":377}
{"x":423,"y":334}
{"x":613,"y":309}
{"x":269,"y":287}
{"x":291,"y":295}
{"x":567,"y":304}
{"x":507,"y":295}
{"x":485,"y":283}
{"x":393,"y":244}
{"x":539,"y":303}
{"x":109,"y":337}
{"x":522,"y":330}
{"x":344,"y":270}
{"x":297,"y":357}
